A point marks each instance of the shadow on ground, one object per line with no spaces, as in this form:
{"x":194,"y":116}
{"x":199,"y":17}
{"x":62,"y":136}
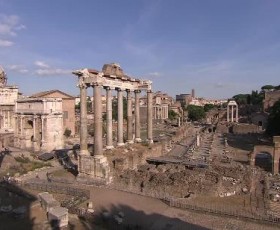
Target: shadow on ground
{"x":124,"y":217}
{"x":15,"y":207}
{"x":246,"y":142}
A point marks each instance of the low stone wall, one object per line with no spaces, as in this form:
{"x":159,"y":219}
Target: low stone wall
{"x":222,"y":128}
{"x":136,"y":155}
{"x":6,"y":139}
{"x":245,"y":128}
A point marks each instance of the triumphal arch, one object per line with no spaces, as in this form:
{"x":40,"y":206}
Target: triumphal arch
{"x":110,"y":78}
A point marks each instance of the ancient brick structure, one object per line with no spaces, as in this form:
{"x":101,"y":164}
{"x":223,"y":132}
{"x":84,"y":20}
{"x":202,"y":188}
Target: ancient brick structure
{"x":274,"y":151}
{"x":39,"y":124}
{"x":8,"y":97}
{"x":68,"y":107}
{"x":270,"y":98}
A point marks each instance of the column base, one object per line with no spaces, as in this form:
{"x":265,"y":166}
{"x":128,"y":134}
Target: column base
{"x":84,"y":152}
{"x":110,"y":147}
{"x":120,"y":144}
{"x":130,"y":142}
{"x":138,"y":140}
{"x":94,"y":168}
{"x":149,"y":141}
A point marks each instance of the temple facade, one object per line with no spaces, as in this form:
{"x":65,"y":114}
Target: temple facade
{"x":111,"y":78}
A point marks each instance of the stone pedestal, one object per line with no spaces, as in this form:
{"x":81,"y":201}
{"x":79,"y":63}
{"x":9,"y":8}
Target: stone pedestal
{"x":94,"y":169}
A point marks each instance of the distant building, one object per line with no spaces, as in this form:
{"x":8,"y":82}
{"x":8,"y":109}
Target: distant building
{"x":39,"y":124}
{"x":161,"y":104}
{"x":270,"y":97}
{"x":8,"y":97}
{"x":184,"y":99}
{"x":68,"y":106}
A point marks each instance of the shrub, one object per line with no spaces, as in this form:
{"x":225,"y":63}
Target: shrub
{"x":67,"y":132}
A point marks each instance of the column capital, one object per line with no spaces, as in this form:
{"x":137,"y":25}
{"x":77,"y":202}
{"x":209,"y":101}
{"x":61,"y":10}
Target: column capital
{"x":82,"y":85}
{"x":149,"y":91}
{"x":96,"y":84}
{"x":119,"y":89}
{"x":108,"y":87}
{"x":137,"y":91}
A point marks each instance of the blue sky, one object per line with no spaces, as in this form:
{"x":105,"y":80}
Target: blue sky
{"x":219,"y":47}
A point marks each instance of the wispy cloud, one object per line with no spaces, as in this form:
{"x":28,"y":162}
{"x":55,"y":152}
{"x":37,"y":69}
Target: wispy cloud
{"x":5,"y":43}
{"x":46,"y":70}
{"x":154,"y":74}
{"x":18,"y":68}
{"x":50,"y":72}
{"x":9,"y":26}
{"x":41,"y":64}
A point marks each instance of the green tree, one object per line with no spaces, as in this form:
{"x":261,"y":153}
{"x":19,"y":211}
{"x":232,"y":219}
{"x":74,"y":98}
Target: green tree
{"x":267,"y":87}
{"x":67,"y":132}
{"x":195,"y":112}
{"x":115,"y":109}
{"x":241,"y":99}
{"x":273,"y":123}
{"x":208,"y":107}
{"x":172,"y":115}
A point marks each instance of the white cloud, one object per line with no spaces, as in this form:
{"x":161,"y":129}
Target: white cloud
{"x":154,"y":74}
{"x":46,"y":70}
{"x":50,"y":71}
{"x":9,"y":24}
{"x":5,"y":43}
{"x":41,"y":64}
{"x":18,"y":68}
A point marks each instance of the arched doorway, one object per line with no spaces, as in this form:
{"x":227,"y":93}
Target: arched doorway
{"x":264,"y":160}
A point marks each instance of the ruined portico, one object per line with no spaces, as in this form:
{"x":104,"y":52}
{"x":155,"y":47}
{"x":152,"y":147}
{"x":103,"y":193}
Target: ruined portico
{"x":110,"y":78}
{"x":230,"y":111}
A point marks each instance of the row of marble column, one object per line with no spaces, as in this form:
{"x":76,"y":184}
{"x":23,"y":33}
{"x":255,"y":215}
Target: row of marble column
{"x":98,"y":144}
{"x":231,"y":111}
{"x":160,"y":112}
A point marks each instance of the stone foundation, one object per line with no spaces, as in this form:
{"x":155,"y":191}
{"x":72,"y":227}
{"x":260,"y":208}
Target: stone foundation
{"x":94,"y":168}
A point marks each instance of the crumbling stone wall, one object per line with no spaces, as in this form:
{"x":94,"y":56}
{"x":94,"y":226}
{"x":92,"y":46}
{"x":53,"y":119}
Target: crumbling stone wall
{"x":245,"y":128}
{"x":172,"y":180}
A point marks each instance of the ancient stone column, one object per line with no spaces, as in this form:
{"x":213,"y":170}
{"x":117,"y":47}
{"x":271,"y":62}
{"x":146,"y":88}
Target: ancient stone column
{"x":120,"y":118}
{"x":42,"y":128}
{"x":8,"y":120}
{"x":129,"y":118}
{"x":150,"y":116}
{"x":227,"y":113}
{"x":137,"y":116}
{"x":21,"y":125}
{"x":109,"y":124}
{"x":236,"y":115}
{"x":83,"y":120}
{"x":16,"y":125}
{"x":232,"y":113}
{"x":98,"y":144}
{"x":34,"y":128}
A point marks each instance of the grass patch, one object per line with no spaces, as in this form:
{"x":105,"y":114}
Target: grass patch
{"x":22,"y":159}
{"x":26,"y":165}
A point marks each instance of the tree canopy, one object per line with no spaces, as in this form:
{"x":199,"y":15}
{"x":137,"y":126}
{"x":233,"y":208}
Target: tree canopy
{"x":195,"y":112}
{"x":273,"y":124}
{"x":172,"y":115}
{"x":208,"y":107}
